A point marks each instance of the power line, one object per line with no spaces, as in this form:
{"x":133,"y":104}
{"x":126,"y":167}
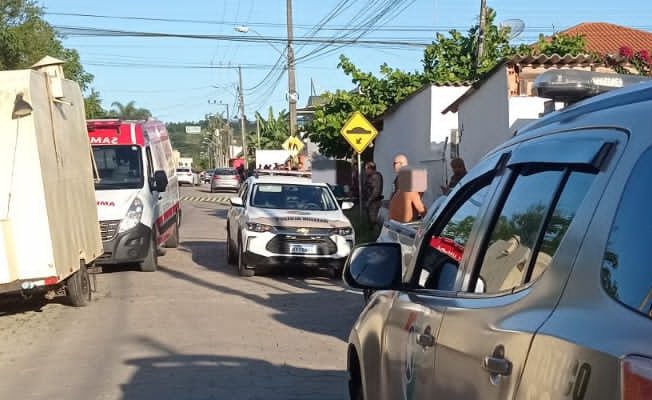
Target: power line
{"x":98,"y":32}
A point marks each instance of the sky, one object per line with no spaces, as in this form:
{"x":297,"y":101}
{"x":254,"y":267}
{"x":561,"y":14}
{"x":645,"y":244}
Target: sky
{"x":184,"y":79}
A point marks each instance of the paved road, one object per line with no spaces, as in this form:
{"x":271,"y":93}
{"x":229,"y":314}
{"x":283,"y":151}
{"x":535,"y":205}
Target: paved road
{"x":192,"y":330}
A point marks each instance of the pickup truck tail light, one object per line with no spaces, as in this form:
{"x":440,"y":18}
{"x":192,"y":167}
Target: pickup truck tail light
{"x":636,"y":378}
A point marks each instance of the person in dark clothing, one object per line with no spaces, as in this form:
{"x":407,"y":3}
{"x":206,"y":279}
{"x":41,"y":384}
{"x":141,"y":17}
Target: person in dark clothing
{"x":373,"y":195}
{"x":459,"y":170}
{"x":400,"y":161}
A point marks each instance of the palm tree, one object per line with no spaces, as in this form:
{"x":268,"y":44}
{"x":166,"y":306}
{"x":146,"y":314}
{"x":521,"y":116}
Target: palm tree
{"x":129,"y":111}
{"x":273,"y":130}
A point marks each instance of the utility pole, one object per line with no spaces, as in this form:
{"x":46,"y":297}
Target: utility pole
{"x":225,"y":143}
{"x":258,"y":130}
{"x":227,"y":151}
{"x":481,"y":29}
{"x":242,"y":119}
{"x":292,"y":90}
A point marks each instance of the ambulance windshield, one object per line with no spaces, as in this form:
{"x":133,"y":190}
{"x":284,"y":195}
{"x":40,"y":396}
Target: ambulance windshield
{"x":120,"y":167}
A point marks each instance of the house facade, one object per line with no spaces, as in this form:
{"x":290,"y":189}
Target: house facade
{"x":495,"y":107}
{"x":417,"y":128}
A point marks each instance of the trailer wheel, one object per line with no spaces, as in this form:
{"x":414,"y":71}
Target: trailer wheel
{"x":78,"y":287}
{"x":150,"y":263}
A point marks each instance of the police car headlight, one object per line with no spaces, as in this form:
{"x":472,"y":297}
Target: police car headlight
{"x":342,"y":231}
{"x":133,"y":216}
{"x":254,"y":227}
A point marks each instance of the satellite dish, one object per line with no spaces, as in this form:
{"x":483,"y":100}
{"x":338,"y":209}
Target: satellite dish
{"x":515,"y":25}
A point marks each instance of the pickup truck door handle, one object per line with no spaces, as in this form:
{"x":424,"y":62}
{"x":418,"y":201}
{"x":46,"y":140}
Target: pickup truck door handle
{"x":497,"y":366}
{"x":426,"y":339}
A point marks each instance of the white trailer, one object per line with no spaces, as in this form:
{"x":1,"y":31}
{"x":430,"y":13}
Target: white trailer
{"x":49,"y":230}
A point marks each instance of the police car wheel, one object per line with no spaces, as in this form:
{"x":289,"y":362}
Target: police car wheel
{"x":230,"y":255}
{"x":242,"y":267}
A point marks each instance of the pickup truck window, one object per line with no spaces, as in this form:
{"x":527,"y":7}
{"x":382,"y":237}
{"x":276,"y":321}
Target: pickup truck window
{"x":626,"y":274}
{"x":533,"y":221}
{"x":439,"y":262}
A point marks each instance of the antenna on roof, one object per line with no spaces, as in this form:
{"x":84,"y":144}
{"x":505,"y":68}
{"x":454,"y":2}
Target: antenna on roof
{"x":515,"y":25}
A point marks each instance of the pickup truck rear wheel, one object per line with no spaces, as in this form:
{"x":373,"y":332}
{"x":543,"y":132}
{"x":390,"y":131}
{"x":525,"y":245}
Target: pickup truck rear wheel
{"x":78,"y":287}
{"x":150,"y":263}
{"x":242,"y":267}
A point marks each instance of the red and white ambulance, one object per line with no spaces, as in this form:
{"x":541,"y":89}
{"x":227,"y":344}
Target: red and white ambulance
{"x":137,"y":191}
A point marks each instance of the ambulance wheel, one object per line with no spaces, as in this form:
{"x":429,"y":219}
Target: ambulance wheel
{"x":242,"y":267}
{"x":78,"y":287}
{"x":173,"y":240}
{"x":150,"y":263}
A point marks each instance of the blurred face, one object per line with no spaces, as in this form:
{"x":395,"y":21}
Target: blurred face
{"x":368,"y":170}
{"x":457,"y":169}
{"x":399,"y":162}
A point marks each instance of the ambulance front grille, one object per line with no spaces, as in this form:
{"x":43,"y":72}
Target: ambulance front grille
{"x":108,"y":229}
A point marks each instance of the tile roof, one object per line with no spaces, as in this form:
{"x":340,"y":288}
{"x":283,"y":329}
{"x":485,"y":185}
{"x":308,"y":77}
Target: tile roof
{"x":605,"y":38}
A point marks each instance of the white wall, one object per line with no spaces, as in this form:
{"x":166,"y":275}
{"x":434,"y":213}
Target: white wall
{"x":484,"y":119}
{"x":418,"y":129}
{"x":523,"y":110}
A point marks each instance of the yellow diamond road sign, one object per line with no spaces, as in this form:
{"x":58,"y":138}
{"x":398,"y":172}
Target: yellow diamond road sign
{"x":358,"y":132}
{"x":293,"y":145}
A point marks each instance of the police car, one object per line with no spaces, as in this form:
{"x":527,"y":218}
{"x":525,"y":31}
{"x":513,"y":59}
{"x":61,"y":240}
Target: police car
{"x":532,"y":280}
{"x":287,"y":220}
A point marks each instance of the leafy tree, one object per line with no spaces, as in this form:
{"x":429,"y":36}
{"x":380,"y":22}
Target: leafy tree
{"x":373,"y":96}
{"x":25,"y":38}
{"x":450,"y":58}
{"x":560,"y":44}
{"x":128,"y":111}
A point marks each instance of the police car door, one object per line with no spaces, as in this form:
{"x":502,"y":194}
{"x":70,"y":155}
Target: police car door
{"x":514,"y":274}
{"x":414,"y":321}
{"x":235,"y":214}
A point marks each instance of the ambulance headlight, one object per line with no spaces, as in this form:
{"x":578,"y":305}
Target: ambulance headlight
{"x":133,"y":216}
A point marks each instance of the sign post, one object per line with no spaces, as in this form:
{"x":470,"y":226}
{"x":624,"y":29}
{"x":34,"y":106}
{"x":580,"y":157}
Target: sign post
{"x":359,"y":132}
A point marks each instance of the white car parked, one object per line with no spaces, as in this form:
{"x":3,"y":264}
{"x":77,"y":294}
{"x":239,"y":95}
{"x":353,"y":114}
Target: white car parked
{"x":186,"y":176}
{"x":283,"y":220}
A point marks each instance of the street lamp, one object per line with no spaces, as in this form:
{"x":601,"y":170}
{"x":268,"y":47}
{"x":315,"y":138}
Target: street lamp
{"x":246,"y":29}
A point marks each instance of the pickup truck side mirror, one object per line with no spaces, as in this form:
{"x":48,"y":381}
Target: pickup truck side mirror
{"x":236,"y":201}
{"x":374,"y":266}
{"x":160,"y":181}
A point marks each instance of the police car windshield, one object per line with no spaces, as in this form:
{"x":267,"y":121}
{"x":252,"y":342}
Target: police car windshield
{"x":119,"y":167}
{"x":293,"y":197}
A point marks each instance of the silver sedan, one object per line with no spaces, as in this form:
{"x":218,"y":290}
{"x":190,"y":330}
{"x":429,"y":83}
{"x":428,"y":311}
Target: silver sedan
{"x":225,"y":179}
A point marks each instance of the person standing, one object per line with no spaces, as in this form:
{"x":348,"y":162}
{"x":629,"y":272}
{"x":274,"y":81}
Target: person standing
{"x":373,"y":195}
{"x":459,"y":171}
{"x":400,"y":161}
